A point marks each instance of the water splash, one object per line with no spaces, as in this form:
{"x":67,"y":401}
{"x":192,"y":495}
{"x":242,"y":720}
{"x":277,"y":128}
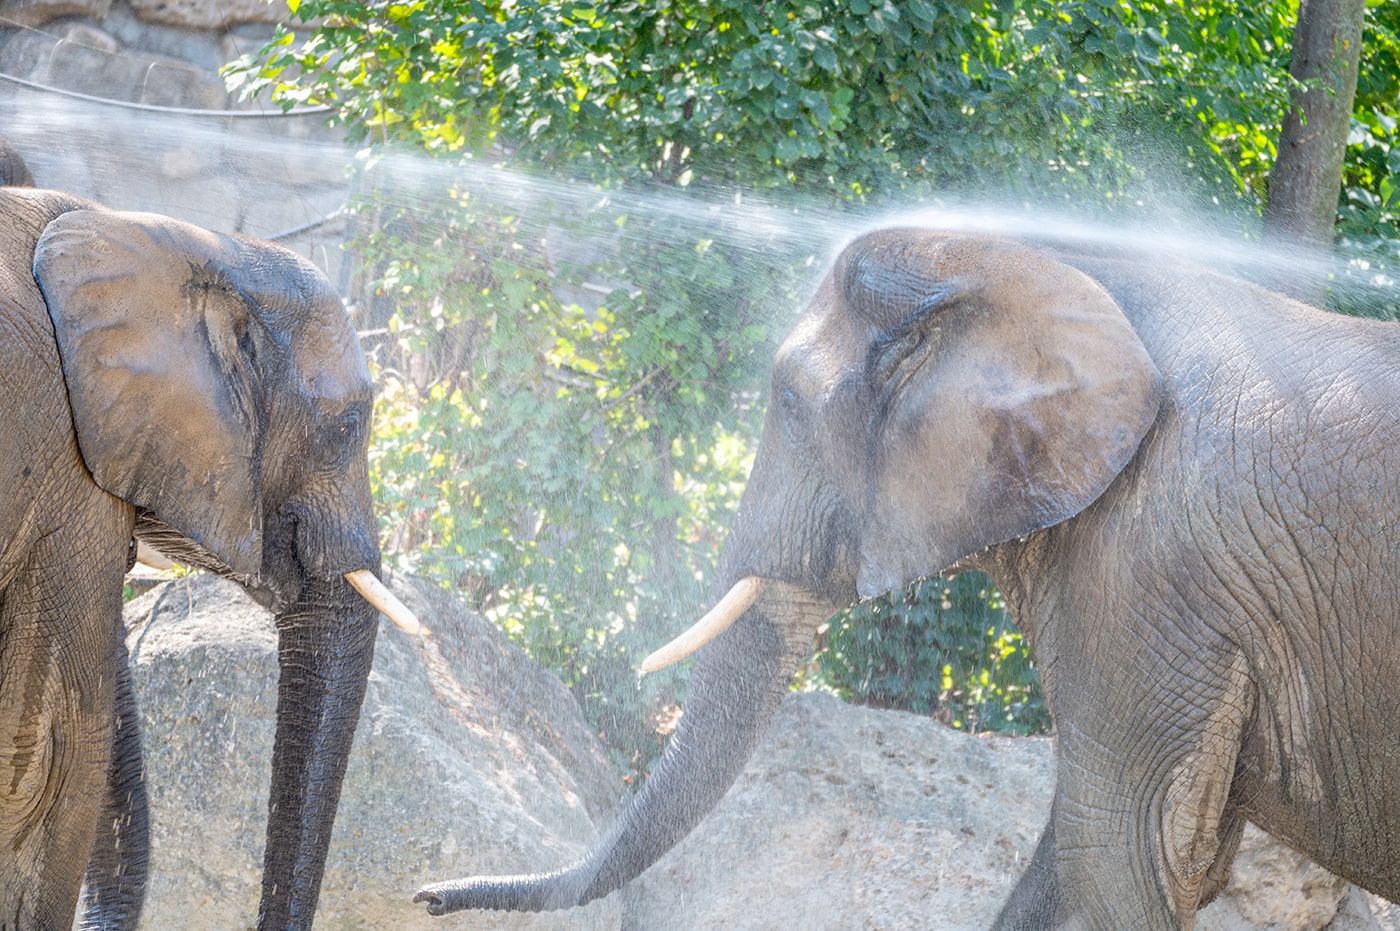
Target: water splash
{"x":277,"y":175}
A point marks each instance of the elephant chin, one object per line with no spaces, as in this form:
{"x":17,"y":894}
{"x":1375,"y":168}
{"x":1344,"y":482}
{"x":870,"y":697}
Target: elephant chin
{"x":161,"y":541}
{"x":739,"y":681}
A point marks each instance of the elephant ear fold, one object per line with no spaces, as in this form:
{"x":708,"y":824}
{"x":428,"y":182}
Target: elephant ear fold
{"x":1008,"y":390}
{"x":156,"y":353}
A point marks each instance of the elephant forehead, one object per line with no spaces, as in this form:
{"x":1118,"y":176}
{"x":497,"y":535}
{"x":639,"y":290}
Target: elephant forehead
{"x":823,"y":346}
{"x":327,"y":355}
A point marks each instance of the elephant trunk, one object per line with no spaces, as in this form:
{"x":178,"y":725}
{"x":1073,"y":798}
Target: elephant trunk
{"x":325,"y":650}
{"x":739,"y":681}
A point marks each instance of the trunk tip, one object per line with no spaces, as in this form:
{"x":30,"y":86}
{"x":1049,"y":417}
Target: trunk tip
{"x":535,"y":892}
{"x":436,"y":904}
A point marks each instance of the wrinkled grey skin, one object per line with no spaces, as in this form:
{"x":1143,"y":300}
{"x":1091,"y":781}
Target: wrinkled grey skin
{"x":1187,"y":488}
{"x":206,"y":394}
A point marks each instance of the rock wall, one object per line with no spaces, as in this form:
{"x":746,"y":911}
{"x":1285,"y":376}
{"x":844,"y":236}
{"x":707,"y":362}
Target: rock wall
{"x":121,"y":101}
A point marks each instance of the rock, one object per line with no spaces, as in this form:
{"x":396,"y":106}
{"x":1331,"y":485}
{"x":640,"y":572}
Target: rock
{"x":1272,"y":886}
{"x":23,"y":13}
{"x":199,"y":47}
{"x":468,"y":759}
{"x":204,"y":14}
{"x":84,"y":59}
{"x":850,"y":817}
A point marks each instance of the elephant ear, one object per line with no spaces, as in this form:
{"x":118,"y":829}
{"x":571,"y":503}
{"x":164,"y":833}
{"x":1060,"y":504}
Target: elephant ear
{"x":1007,"y":392}
{"x":157,"y":355}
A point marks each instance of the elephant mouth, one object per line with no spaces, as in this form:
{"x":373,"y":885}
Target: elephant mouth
{"x":365,"y":583}
{"x":162,"y":540}
{"x":742,"y":596}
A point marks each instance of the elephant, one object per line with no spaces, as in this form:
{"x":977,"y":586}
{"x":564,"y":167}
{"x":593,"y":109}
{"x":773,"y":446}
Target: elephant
{"x":1186,"y":487}
{"x":204,"y":394}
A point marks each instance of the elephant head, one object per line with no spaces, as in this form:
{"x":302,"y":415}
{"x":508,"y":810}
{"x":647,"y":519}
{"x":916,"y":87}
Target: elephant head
{"x":941,"y":395}
{"x":217,"y":386}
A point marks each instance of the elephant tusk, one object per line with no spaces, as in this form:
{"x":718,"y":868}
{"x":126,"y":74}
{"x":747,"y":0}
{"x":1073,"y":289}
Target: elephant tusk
{"x":377,"y":594}
{"x":147,"y":555}
{"x":738,"y":600}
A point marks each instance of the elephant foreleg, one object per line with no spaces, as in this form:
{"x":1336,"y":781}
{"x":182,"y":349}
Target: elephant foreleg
{"x":1128,"y":851}
{"x":116,"y":875}
{"x":59,"y":618}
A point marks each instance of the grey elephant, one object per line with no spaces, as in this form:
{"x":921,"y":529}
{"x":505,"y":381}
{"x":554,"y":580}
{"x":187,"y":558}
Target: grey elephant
{"x":205,"y":394}
{"x":1188,"y":489}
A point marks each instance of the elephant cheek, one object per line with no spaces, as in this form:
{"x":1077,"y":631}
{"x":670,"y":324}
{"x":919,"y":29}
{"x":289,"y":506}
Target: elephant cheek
{"x":917,"y":525}
{"x":332,"y":539}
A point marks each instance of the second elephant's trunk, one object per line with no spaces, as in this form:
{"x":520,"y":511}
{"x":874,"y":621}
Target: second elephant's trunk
{"x":325,"y":650}
{"x":739,"y":681}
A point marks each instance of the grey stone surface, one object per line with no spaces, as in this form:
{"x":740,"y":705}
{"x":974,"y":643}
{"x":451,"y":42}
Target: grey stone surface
{"x":468,"y":759}
{"x":850,"y":817}
{"x":209,"y":14}
{"x":82,"y":58}
{"x":29,"y":13}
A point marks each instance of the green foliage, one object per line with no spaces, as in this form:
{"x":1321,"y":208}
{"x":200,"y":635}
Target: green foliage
{"x":567,"y":458}
{"x":1368,"y":226}
{"x":941,"y":646}
{"x":567,"y":468}
{"x":846,"y":100}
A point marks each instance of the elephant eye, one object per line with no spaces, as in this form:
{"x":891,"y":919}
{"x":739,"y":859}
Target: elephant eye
{"x":351,"y":426}
{"x":341,"y":436}
{"x":895,"y":359}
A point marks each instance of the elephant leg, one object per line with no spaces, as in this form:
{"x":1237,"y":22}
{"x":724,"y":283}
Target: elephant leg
{"x":116,"y":875}
{"x":58,"y":621}
{"x":1036,"y":898}
{"x":1144,"y":844}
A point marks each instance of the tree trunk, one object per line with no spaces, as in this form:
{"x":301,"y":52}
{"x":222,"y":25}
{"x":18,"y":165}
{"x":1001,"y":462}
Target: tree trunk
{"x":1307,"y":176}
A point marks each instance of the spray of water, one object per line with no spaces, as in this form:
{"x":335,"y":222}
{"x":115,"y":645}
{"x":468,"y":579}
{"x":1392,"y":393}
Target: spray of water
{"x":283,"y":176}
{"x":225,"y":170}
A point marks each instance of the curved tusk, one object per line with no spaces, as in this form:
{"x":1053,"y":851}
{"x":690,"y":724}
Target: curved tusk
{"x":377,"y":594}
{"x":147,"y":555}
{"x":738,"y":600}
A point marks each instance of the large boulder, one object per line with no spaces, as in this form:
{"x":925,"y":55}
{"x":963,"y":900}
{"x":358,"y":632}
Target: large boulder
{"x":81,"y":58}
{"x":468,"y":759}
{"x":184,"y":14}
{"x":851,"y":817}
{"x":28,"y":13}
{"x":206,"y":14}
